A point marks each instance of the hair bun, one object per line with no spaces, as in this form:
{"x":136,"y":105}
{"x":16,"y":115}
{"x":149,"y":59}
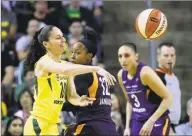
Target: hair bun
{"x":92,"y":36}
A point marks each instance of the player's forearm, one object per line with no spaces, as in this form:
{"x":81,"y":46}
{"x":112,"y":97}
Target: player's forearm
{"x":165,"y":104}
{"x":73,"y":97}
{"x":74,"y":101}
{"x":128,"y":114}
{"x":75,"y":69}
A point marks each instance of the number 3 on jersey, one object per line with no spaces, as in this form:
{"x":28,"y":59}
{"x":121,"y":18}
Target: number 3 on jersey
{"x":104,"y":86}
{"x":136,"y":103}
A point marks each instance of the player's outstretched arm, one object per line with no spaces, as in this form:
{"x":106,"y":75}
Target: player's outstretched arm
{"x":49,"y":65}
{"x":74,"y":98}
{"x":128,"y":106}
{"x":150,"y":78}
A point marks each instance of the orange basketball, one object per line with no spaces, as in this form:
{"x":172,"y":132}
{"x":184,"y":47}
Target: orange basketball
{"x":151,"y":24}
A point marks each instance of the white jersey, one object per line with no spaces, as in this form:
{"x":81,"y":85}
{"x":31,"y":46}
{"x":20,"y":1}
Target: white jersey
{"x":172,"y":83}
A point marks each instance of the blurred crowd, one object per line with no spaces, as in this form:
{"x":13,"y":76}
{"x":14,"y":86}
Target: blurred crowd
{"x":19,"y":22}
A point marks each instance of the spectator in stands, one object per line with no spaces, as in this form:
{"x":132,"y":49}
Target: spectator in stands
{"x":8,"y":24}
{"x":23,"y":43}
{"x":2,"y":127}
{"x":74,"y":10}
{"x":4,"y":117}
{"x":71,"y":41}
{"x":8,"y":5}
{"x":7,"y":68}
{"x":75,"y":31}
{"x":116,"y":115}
{"x":115,"y":103}
{"x":7,"y":93}
{"x":47,"y":12}
{"x":86,"y":4}
{"x":41,"y":11}
{"x":61,"y":126}
{"x":74,"y":35}
{"x":186,"y":128}
{"x":25,"y":104}
{"x":8,"y":31}
{"x":22,"y":48}
{"x":54,"y":5}
{"x":96,"y":7}
{"x":92,"y":4}
{"x":44,"y":11}
{"x":27,"y":82}
{"x":3,"y":110}
{"x":54,"y":12}
{"x":67,"y":119}
{"x":24,"y":11}
{"x":14,"y":127}
{"x":166,"y":57}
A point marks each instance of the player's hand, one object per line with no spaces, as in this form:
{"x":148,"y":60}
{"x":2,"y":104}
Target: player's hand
{"x":85,"y":101}
{"x":108,"y":77}
{"x":127,"y":132}
{"x":147,"y":128}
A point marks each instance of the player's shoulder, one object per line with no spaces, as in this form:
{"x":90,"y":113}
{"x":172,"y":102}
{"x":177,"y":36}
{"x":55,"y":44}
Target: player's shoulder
{"x":39,"y":65}
{"x":43,"y":60}
{"x":146,"y":70}
{"x":119,"y":74}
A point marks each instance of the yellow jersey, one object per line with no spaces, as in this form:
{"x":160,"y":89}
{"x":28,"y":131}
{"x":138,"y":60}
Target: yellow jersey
{"x":49,"y":95}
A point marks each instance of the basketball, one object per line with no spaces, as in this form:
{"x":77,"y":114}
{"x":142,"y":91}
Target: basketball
{"x":151,"y":24}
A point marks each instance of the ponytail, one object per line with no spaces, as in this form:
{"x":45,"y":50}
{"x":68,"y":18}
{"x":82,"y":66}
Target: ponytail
{"x":37,"y":50}
{"x":92,"y":36}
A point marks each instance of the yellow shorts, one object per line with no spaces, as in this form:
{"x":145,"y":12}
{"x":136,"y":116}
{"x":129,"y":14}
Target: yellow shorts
{"x":35,"y":126}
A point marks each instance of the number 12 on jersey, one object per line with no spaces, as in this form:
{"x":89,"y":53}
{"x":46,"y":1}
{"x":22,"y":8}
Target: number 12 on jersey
{"x":104,"y":86}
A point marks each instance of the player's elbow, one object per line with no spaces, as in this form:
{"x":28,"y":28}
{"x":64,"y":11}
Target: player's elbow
{"x":73,"y":101}
{"x":69,"y":98}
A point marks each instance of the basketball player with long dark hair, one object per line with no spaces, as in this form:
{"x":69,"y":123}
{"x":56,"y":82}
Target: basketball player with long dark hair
{"x":52,"y":79}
